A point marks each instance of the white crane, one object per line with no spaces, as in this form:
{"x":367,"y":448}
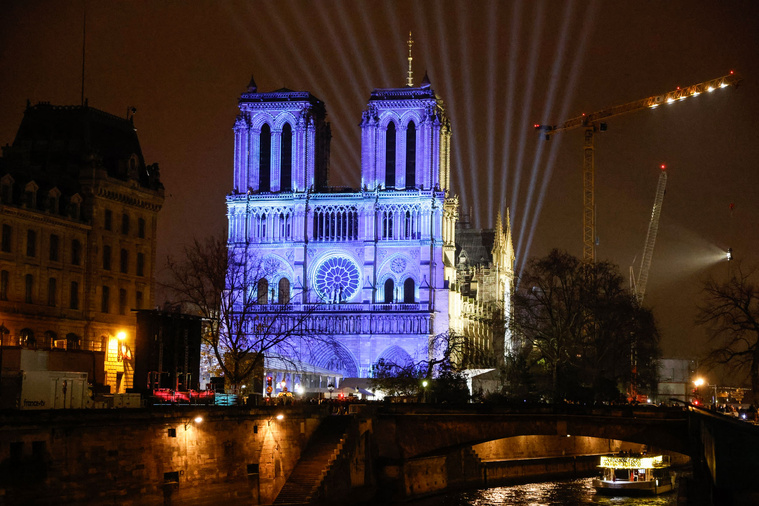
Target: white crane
{"x":639,"y":286}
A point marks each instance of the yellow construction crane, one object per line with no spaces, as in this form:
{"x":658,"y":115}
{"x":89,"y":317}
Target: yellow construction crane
{"x":595,"y":122}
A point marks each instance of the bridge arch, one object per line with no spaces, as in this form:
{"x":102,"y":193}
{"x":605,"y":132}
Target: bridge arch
{"x":437,"y":434}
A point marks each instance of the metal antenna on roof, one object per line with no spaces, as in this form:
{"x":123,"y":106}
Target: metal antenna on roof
{"x":84,"y":41}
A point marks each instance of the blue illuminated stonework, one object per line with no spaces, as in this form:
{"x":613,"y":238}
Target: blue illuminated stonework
{"x":375,"y":261}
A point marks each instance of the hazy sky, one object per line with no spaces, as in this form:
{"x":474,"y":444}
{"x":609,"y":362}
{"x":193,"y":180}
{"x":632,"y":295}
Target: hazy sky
{"x":499,"y":66}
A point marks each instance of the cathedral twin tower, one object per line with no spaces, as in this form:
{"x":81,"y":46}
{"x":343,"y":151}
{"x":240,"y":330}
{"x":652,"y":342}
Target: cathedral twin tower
{"x":373,"y":265}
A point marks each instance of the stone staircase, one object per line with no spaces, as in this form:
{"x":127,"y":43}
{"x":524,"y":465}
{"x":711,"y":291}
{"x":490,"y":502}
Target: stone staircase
{"x":322,"y":450}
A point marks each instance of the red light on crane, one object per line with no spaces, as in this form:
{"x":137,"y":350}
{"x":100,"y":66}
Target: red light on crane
{"x":663,"y":167}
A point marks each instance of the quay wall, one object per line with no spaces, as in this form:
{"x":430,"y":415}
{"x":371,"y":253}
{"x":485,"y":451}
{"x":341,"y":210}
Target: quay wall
{"x":131,"y":457}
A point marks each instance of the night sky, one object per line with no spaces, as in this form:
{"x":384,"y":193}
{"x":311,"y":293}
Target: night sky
{"x":500,"y":67}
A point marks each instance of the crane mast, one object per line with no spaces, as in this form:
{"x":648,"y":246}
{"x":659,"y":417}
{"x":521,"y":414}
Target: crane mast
{"x":639,"y":288}
{"x":594,"y":122}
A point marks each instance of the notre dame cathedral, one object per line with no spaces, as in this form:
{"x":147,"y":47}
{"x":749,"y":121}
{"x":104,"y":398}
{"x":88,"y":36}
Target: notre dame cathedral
{"x":381,"y":266}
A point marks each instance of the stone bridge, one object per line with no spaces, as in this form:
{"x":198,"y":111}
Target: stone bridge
{"x":411,"y":432}
{"x":415,"y":443}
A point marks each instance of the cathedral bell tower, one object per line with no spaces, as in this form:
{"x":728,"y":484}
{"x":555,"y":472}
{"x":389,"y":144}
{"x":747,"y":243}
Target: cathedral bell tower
{"x":405,"y":138}
{"x":281,"y":142}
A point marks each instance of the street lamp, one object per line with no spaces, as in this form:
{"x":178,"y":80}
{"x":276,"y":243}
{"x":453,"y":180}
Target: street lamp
{"x":698,"y":382}
{"x":424,"y":391}
{"x":330,"y":387}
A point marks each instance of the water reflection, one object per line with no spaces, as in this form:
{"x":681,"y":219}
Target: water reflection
{"x":554,"y":493}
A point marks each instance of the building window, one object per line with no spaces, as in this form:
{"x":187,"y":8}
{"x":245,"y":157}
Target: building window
{"x":408,"y":291}
{"x":108,"y":219}
{"x":28,"y":287}
{"x":390,"y":156}
{"x":264,"y":159}
{"x":107,"y":257}
{"x":124,"y":261}
{"x":27,"y":337}
{"x":122,"y":300}
{"x":411,"y":155}
{"x":141,"y":228}
{"x":125,"y":224}
{"x":6,"y":189}
{"x":7,"y":234}
{"x":283,"y":297}
{"x":54,"y":247}
{"x":73,"y":341}
{"x":4,"y":282}
{"x":263,"y":291}
{"x":30,"y":191}
{"x":286,"y":158}
{"x":138,"y":300}
{"x":74,"y":296}
{"x":105,"y":299}
{"x":389,"y":289}
{"x":52,"y":289}
{"x":140,"y":264}
{"x":31,"y":243}
{"x":76,"y":252}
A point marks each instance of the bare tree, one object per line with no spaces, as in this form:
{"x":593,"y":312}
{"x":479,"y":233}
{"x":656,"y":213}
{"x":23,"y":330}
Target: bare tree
{"x":244,"y":326}
{"x":730,"y":311}
{"x":440,"y":369}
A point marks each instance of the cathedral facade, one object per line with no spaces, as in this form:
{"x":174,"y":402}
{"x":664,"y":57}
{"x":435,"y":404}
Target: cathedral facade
{"x":376,"y":266}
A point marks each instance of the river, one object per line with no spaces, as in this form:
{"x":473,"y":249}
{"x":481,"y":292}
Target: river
{"x":553,"y":493}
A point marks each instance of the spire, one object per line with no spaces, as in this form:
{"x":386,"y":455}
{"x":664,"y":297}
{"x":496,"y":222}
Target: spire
{"x":252,"y":88}
{"x":498,"y":230}
{"x":410,"y":78}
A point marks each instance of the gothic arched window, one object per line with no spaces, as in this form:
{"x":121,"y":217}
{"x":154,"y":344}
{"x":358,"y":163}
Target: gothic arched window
{"x":284,"y":291}
{"x":390,"y":156}
{"x":286,"y":159}
{"x":411,"y":155}
{"x":389,"y":289}
{"x":264,"y":159}
{"x":408,"y":291}
{"x":263,"y":291}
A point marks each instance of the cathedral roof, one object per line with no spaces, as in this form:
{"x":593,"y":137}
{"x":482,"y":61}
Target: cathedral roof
{"x":476,"y":244}
{"x":403,"y":93}
{"x":281,"y":95}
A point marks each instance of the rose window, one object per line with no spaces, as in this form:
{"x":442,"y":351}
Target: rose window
{"x":337,"y":279}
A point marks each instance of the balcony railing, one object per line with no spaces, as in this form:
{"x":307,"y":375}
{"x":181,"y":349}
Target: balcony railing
{"x":342,"y":308}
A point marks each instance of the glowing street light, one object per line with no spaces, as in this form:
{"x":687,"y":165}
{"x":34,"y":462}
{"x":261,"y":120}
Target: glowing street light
{"x":699,"y":381}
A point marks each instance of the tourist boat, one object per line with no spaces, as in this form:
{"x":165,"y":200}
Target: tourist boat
{"x":629,"y":474}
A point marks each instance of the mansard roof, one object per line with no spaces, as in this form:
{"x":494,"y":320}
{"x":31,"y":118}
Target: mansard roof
{"x":54,"y":143}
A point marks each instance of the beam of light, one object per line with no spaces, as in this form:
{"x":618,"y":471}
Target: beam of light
{"x":510,"y":85}
{"x":462,"y":15}
{"x":270,"y":54}
{"x":576,"y":67}
{"x":370,"y":29}
{"x":491,"y":101}
{"x":442,"y":43}
{"x":537,"y":35}
{"x":556,"y":72}
{"x":398,"y":45}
